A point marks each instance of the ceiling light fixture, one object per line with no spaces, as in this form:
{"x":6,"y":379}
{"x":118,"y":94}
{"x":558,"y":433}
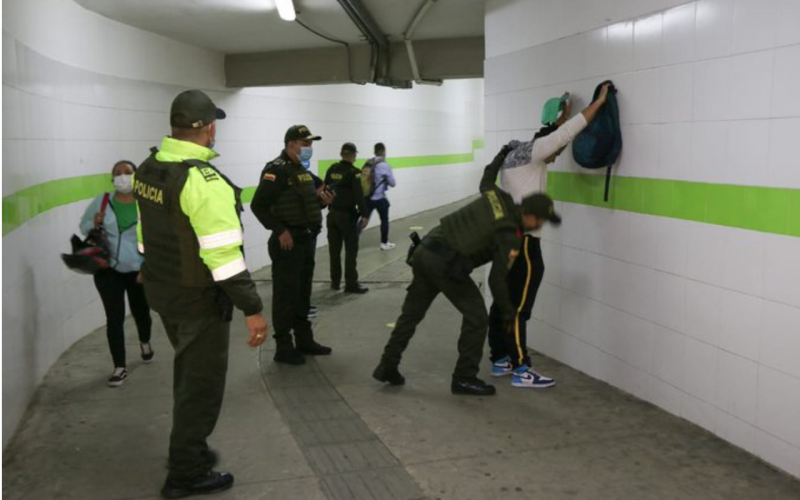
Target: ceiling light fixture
{"x":285,"y":9}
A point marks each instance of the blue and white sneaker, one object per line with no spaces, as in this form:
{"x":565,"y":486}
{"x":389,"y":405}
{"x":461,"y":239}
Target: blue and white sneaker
{"x":502,"y":367}
{"x":525,"y":377}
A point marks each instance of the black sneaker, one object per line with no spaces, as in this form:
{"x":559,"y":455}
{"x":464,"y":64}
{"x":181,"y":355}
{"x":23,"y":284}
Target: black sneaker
{"x":472,"y":387}
{"x":147,"y":352}
{"x":314,"y":349}
{"x":312,"y":312}
{"x":118,"y":377}
{"x":210,"y":482}
{"x":390,"y":375}
{"x":289,"y":356}
{"x":357,"y":288}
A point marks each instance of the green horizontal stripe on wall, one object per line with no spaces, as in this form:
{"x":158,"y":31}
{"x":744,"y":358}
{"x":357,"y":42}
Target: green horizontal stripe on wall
{"x":24,"y":205}
{"x":410,"y":161}
{"x":765,"y":209}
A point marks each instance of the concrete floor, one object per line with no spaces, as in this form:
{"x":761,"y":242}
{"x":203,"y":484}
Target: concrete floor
{"x":326,"y":430}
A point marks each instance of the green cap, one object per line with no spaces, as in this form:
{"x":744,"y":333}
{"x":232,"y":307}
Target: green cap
{"x":541,"y":206}
{"x":193,"y":109}
{"x":552,"y":108}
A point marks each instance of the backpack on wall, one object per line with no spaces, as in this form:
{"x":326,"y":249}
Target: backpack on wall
{"x":600,"y":143}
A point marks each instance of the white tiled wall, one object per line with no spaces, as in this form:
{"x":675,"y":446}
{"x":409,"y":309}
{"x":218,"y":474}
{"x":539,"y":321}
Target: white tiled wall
{"x":81,"y":91}
{"x":701,"y":320}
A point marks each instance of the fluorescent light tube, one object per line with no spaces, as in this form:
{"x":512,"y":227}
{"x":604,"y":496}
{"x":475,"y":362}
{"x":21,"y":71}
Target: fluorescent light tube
{"x":285,"y":9}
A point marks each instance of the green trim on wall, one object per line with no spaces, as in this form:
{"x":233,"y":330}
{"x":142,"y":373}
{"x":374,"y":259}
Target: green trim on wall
{"x":765,"y":209}
{"x":24,"y":205}
{"x":411,"y":161}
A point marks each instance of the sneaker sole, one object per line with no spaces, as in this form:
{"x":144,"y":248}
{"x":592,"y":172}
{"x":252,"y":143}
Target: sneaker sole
{"x":501,"y":375}
{"x":115,"y":384}
{"x":528,"y":386}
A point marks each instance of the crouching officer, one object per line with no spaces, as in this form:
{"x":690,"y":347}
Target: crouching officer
{"x":345,"y":219}
{"x":487,"y":230}
{"x":287,"y":203}
{"x":194,"y":274}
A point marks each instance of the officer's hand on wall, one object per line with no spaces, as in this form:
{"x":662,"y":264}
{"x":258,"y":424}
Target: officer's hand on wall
{"x":258,"y":330}
{"x":286,"y":240}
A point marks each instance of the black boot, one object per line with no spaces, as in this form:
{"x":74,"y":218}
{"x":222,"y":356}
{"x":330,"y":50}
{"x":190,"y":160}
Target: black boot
{"x":472,"y":387}
{"x":210,"y":482}
{"x":286,"y":353}
{"x":384,"y":373}
{"x":312,"y":348}
{"x":357,"y":288}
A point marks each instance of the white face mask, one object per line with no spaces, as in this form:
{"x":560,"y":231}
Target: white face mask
{"x":122,"y":183}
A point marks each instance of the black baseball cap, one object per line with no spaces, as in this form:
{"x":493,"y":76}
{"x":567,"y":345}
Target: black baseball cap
{"x":348,"y":148}
{"x":541,"y":206}
{"x":300,"y":133}
{"x":193,"y":109}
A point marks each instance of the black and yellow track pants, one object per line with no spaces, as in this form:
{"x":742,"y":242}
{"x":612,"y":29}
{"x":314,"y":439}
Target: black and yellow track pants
{"x":524,"y":279}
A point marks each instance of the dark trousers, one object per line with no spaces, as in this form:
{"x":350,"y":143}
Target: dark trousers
{"x":112,"y":286}
{"x":200,"y":368}
{"x":524,"y":279}
{"x":382,"y":206}
{"x":431,"y":277}
{"x":343,"y":230}
{"x":292,"y":276}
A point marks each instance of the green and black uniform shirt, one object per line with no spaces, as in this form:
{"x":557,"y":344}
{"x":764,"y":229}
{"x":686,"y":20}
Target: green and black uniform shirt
{"x":190,"y":233}
{"x":345,"y":180}
{"x":286,"y":197}
{"x":487,"y":230}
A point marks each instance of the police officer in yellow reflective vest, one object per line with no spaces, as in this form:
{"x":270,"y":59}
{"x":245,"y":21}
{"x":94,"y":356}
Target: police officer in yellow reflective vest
{"x":288,"y":203}
{"x":346,"y":218}
{"x":487,"y":230}
{"x":194,"y":275}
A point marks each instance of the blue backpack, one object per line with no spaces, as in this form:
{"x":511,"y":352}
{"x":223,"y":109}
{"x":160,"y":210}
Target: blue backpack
{"x":600,"y":143}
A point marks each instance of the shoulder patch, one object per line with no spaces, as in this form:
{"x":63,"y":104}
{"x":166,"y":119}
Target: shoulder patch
{"x":270,"y":177}
{"x":209,"y":174}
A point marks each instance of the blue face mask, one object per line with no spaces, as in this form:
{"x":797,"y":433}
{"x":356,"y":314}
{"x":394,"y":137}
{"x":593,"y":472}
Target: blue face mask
{"x":305,"y":153}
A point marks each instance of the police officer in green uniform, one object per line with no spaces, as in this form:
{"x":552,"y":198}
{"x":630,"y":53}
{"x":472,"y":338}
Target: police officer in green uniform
{"x":345,"y":219}
{"x":288,"y":203}
{"x":487,"y":230}
{"x":194,"y":275}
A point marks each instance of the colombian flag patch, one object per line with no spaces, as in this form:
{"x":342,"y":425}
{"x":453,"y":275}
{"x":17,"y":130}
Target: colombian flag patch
{"x":269,"y":177}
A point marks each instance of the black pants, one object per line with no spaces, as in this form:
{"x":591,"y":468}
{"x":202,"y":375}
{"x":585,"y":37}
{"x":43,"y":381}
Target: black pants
{"x":382,"y":206}
{"x":431,"y":277}
{"x":524,"y":279}
{"x":112,"y":286}
{"x":292,"y":275}
{"x":343,"y":229}
{"x":200,"y":368}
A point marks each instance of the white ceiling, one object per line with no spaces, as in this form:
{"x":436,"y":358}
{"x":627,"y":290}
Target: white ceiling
{"x":238,"y":26}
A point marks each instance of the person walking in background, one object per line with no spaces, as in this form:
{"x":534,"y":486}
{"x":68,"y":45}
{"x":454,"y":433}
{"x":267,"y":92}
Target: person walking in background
{"x":345,"y":218}
{"x":116,"y":213}
{"x":524,"y":172}
{"x":194,"y":275}
{"x":381,"y":178}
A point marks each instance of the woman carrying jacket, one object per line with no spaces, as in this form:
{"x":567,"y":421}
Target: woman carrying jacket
{"x":119,"y":220}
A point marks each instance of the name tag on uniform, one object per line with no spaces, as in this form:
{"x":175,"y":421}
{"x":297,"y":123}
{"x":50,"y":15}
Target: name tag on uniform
{"x":497,"y":207}
{"x":336,"y":177}
{"x":305,"y":178}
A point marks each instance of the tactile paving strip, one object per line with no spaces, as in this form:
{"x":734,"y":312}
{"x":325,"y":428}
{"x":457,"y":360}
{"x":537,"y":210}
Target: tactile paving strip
{"x":349,"y":459}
